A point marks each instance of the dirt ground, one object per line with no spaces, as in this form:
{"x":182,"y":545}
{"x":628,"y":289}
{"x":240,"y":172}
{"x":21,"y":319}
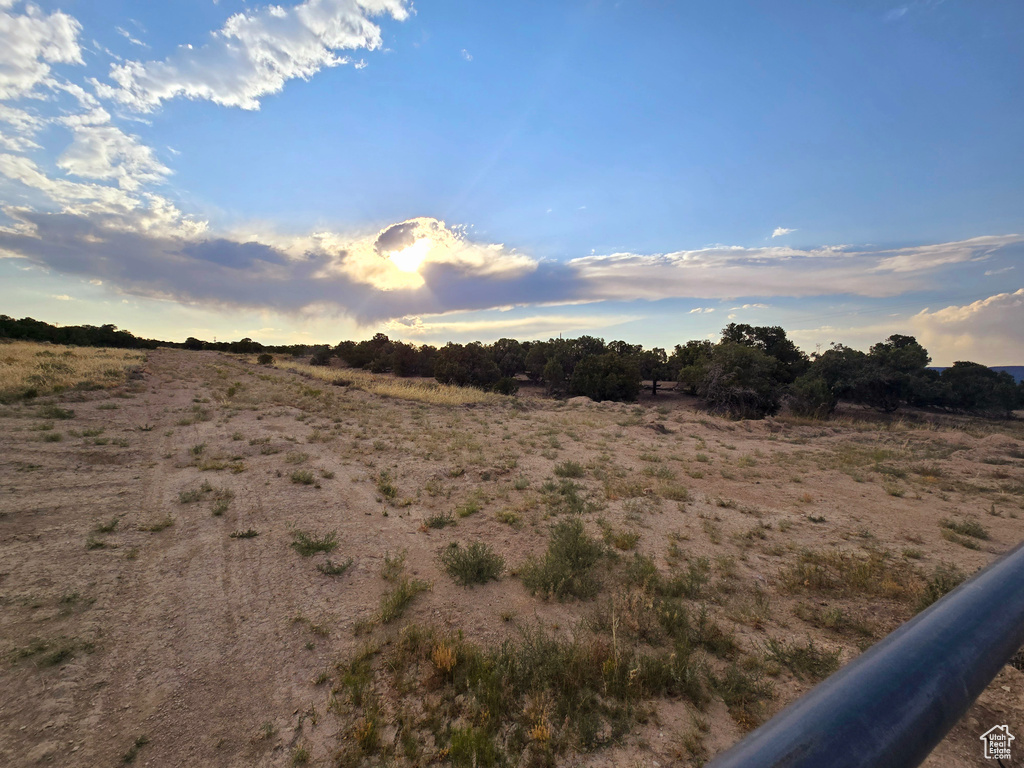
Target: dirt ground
{"x":135,"y":628}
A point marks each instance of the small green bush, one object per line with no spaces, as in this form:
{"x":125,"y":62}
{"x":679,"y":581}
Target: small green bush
{"x":303,"y":477}
{"x":307,"y":544}
{"x":804,"y":660}
{"x":476,"y":564}
{"x":334,"y":569}
{"x":569,"y":469}
{"x":965,"y":528}
{"x":945,"y":579}
{"x":265,"y":359}
{"x":566,"y":570}
{"x":394,"y":603}
{"x":439,"y":520}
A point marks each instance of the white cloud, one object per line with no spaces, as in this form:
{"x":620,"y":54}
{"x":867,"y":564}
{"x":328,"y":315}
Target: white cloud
{"x":780,"y":231}
{"x":106,"y":153}
{"x":989,"y":331}
{"x":128,"y":36}
{"x":467,"y":55}
{"x":701,"y":310}
{"x":100,"y":205}
{"x":60,"y":297}
{"x":932,"y":256}
{"x":531,"y":327}
{"x":16,"y":143}
{"x":990,"y":272}
{"x":29,"y":43}
{"x":255,"y":54}
{"x":750,"y":306}
{"x":724,"y":272}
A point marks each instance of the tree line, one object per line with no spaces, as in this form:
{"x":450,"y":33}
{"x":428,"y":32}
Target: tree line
{"x":750,"y":372}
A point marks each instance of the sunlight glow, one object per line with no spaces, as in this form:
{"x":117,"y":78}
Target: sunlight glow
{"x":411,"y":257}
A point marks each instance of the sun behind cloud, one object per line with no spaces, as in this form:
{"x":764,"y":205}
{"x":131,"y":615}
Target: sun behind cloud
{"x":410,"y":258}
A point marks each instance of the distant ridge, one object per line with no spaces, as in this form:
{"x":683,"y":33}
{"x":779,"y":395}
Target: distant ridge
{"x":1017,"y":371}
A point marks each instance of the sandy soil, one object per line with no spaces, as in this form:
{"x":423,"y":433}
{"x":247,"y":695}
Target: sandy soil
{"x":210,"y":647}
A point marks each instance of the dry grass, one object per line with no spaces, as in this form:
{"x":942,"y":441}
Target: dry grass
{"x":28,"y":369}
{"x":418,"y":390}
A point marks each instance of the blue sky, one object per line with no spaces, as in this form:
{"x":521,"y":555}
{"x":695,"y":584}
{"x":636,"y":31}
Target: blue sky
{"x":651,"y":171}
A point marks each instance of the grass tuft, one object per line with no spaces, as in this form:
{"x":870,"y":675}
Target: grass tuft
{"x":307,"y":544}
{"x":476,"y":564}
{"x":567,"y":568}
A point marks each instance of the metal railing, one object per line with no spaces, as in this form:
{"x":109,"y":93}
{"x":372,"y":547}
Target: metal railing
{"x":891,"y":706}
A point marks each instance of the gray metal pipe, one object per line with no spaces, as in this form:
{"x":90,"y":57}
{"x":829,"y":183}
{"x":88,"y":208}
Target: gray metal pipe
{"x":891,"y":706}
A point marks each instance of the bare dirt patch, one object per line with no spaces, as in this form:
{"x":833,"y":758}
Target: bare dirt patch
{"x":228,"y":564}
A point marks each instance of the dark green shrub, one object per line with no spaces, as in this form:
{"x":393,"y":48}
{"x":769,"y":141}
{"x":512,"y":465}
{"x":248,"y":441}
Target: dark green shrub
{"x":811,"y":396}
{"x":945,"y":579}
{"x":803,"y":660}
{"x":265,"y":359}
{"x":567,"y":568}
{"x":476,"y":564}
{"x":321,"y":356}
{"x":307,"y":544}
{"x":569,"y":469}
{"x":741,"y":381}
{"x":506,"y":385}
{"x":609,"y":376}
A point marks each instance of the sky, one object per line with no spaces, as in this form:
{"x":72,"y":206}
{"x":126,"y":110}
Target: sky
{"x":453,"y":171}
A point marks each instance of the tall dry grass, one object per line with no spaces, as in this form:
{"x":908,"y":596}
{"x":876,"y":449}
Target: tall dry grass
{"x":29,"y":368}
{"x":390,"y":386}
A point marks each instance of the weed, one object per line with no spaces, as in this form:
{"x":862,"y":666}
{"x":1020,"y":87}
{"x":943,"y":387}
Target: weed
{"x":296,"y":457}
{"x":393,"y":567}
{"x":385,"y":486}
{"x":108,"y":527}
{"x":744,"y":693}
{"x":439,"y":520}
{"x":945,"y":578}
{"x":956,"y":538}
{"x":307,"y":544}
{"x":472,"y":748}
{"x":620,"y":539}
{"x":675,"y":492}
{"x":194,"y":494}
{"x":566,"y":570}
{"x":468,"y":507}
{"x":329,"y":568}
{"x":838,"y":572}
{"x":303,"y":477}
{"x":569,"y":469}
{"x":509,"y":517}
{"x":158,"y":525}
{"x":832,"y":618}
{"x":965,"y":528}
{"x":248,"y":533}
{"x":803,"y":660}
{"x":300,"y":756}
{"x":476,"y":564}
{"x":54,"y":412}
{"x":394,"y":602}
